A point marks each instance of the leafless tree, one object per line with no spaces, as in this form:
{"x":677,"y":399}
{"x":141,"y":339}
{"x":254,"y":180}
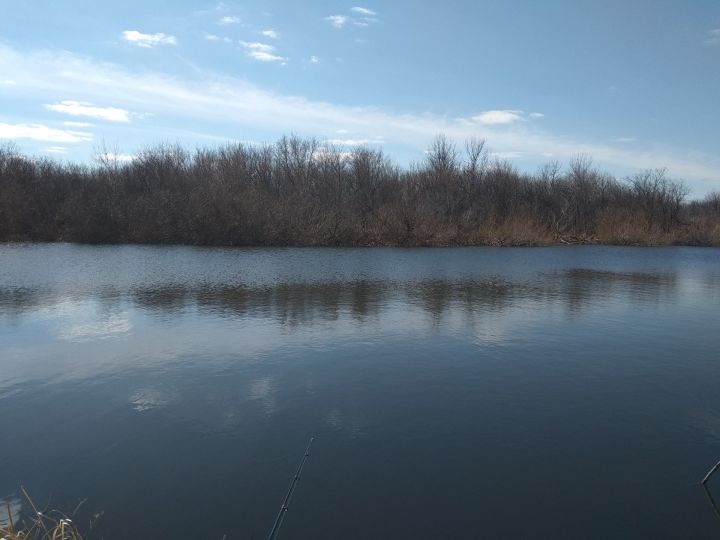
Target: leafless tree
{"x":299,"y":192}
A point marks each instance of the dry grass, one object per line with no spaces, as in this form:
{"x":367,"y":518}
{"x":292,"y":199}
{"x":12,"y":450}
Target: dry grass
{"x":53,"y":525}
{"x":622,"y":227}
{"x":701,"y":231}
{"x":520,"y":231}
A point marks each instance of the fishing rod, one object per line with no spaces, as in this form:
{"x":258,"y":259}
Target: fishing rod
{"x":286,"y":501}
{"x":704,"y":484}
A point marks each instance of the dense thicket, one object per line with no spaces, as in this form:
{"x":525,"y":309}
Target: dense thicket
{"x":298,"y":192}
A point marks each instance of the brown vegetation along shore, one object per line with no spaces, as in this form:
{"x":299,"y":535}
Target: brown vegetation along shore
{"x":299,"y":193}
{"x":38,"y":525}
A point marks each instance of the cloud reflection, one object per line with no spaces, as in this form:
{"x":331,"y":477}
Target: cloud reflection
{"x":11,"y":504}
{"x":262,"y":390}
{"x":104,"y":328}
{"x":146,"y":399}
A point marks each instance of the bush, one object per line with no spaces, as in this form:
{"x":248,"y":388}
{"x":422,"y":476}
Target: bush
{"x":300,"y":193}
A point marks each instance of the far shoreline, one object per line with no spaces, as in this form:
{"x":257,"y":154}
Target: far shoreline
{"x":363,"y":246}
{"x":298,"y":193}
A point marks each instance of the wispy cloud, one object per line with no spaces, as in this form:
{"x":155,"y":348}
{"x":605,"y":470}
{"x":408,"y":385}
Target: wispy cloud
{"x":111,"y":156}
{"x":228,"y":19}
{"x":365,"y":21}
{"x":41,"y":132}
{"x":80,"y":108}
{"x":237,"y":103}
{"x":625,"y":139}
{"x":257,"y":46}
{"x":337,"y":21}
{"x":270,"y":33}
{"x":56,"y":149}
{"x":713,"y":37}
{"x":314,"y":60}
{"x":213,"y":37}
{"x":353,"y":142}
{"x":363,"y":11}
{"x":148,"y":40}
{"x":361,"y":17}
{"x":261,"y":52}
{"x":506,"y":155}
{"x":71,"y":123}
{"x":498,"y":117}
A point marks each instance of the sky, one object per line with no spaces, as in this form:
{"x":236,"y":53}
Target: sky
{"x":634,"y":84}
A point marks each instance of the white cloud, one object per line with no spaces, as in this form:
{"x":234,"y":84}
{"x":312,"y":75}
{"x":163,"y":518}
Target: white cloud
{"x":625,"y":139}
{"x":261,"y":52}
{"x":234,"y":102}
{"x":79,"y":108}
{"x":148,"y":40}
{"x":363,"y":11}
{"x":713,"y":37}
{"x":263,"y":56}
{"x":366,"y":17}
{"x":40,"y":132}
{"x":314,"y":59}
{"x":56,"y":149}
{"x":337,"y":21}
{"x":213,"y":37}
{"x":77,"y":124}
{"x":229,"y":19}
{"x":330,"y":153}
{"x":352,"y":142}
{"x":111,"y":156}
{"x":270,"y":33}
{"x":536,"y":115}
{"x":506,"y":155}
{"x":7,"y":82}
{"x":491,"y":118}
{"x":364,"y":22}
{"x":257,"y":46}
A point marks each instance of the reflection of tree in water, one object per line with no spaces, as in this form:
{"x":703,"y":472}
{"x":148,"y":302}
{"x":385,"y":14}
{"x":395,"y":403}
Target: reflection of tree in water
{"x":303,"y":303}
{"x":711,"y":285}
{"x":438,"y":296}
{"x":296,"y":304}
{"x":171,"y":298}
{"x":16,"y":301}
{"x":582,"y":287}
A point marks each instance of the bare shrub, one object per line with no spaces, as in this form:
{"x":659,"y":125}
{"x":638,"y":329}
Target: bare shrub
{"x":299,"y":192}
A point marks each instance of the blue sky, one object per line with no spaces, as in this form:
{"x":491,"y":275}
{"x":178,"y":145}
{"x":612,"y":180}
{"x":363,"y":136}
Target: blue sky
{"x":633,"y":83}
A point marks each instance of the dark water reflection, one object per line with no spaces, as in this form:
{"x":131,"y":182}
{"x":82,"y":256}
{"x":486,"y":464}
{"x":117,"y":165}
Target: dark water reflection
{"x":302,"y":303}
{"x":511,"y":393}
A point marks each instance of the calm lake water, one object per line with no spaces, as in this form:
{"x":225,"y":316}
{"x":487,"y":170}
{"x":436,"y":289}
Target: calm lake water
{"x":566,"y":392}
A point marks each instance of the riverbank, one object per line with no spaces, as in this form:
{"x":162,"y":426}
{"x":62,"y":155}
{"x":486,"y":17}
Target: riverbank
{"x":299,"y":193}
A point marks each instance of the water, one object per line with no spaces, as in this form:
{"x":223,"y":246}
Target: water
{"x":478,"y":393}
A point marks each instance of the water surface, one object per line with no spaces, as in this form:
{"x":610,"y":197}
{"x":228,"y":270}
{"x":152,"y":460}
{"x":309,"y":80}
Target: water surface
{"x":480,"y":393}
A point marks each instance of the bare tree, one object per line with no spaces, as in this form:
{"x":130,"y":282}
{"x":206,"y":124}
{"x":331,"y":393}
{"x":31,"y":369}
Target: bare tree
{"x":298,"y":192}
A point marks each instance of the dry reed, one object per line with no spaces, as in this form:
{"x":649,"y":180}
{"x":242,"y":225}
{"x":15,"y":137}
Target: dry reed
{"x":52,"y":525}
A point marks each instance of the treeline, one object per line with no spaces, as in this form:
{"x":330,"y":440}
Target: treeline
{"x":298,"y":192}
